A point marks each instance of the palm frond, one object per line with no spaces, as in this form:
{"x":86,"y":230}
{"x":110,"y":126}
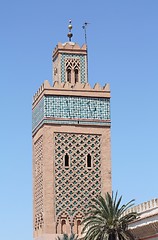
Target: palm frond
{"x":105,"y":220}
{"x":67,"y":237}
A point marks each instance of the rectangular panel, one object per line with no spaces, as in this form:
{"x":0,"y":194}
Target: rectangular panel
{"x":71,"y":110}
{"x":76,"y":184}
{"x":77,"y":107}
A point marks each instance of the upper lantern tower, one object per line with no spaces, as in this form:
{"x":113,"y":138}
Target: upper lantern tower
{"x":70,"y":62}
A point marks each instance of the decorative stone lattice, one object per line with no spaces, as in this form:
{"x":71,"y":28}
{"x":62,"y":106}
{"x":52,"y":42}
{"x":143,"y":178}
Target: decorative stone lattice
{"x":78,"y":58}
{"x":78,"y":184}
{"x":38,"y":183}
{"x":72,"y":63}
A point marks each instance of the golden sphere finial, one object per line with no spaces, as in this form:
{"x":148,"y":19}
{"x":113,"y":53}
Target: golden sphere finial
{"x":70,"y":33}
{"x":70,"y":25}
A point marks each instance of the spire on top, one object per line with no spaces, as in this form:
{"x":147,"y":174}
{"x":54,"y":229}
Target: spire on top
{"x":70,"y":33}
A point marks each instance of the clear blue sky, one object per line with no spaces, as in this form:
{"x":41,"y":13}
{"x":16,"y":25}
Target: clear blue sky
{"x":123,"y":50}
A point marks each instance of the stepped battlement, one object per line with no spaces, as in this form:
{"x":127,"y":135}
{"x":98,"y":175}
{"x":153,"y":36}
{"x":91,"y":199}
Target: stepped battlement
{"x":145,"y":209}
{"x":68,"y":89}
{"x":69,"y":47}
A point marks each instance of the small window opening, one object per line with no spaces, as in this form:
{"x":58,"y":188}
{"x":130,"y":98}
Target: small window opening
{"x":56,"y":228}
{"x":89,"y":161}
{"x":63,"y":226}
{"x":69,"y":75}
{"x":76,"y":75}
{"x":66,"y":160}
{"x":78,"y":227}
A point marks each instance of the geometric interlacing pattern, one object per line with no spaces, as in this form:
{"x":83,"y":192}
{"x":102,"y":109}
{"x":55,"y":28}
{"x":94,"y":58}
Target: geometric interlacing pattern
{"x":38,"y":184}
{"x":72,"y":63}
{"x":78,"y":57}
{"x":71,"y":107}
{"x":76,"y":185}
{"x":77,"y":107}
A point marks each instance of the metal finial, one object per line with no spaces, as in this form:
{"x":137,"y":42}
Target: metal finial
{"x":70,"y":33}
{"x":84,"y":26}
{"x":85,"y":32}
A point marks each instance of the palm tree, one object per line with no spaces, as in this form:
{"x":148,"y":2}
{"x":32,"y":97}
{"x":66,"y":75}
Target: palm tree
{"x":107,"y":220}
{"x":67,"y":237}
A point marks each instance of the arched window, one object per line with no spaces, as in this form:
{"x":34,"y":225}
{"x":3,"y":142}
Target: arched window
{"x":76,"y":75}
{"x":66,"y":160}
{"x":89,"y":161}
{"x":69,"y":75}
{"x":78,"y":227}
{"x":63,"y":226}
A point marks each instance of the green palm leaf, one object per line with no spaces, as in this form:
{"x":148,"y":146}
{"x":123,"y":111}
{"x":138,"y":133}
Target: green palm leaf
{"x":67,"y":237}
{"x":106,"y":219}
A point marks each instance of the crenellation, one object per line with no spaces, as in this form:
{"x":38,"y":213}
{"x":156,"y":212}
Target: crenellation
{"x":146,"y":225}
{"x":78,"y":85}
{"x":97,"y":87}
{"x":87,"y":86}
{"x":45,"y":85}
{"x":67,"y":86}
{"x":69,"y":47}
{"x":106,"y":87}
{"x":57,"y":85}
{"x":145,"y":206}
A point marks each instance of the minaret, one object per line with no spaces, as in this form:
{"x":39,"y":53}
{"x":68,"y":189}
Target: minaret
{"x":71,"y":144}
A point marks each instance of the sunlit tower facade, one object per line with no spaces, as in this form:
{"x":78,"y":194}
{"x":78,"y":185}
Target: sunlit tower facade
{"x":71,"y":144}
